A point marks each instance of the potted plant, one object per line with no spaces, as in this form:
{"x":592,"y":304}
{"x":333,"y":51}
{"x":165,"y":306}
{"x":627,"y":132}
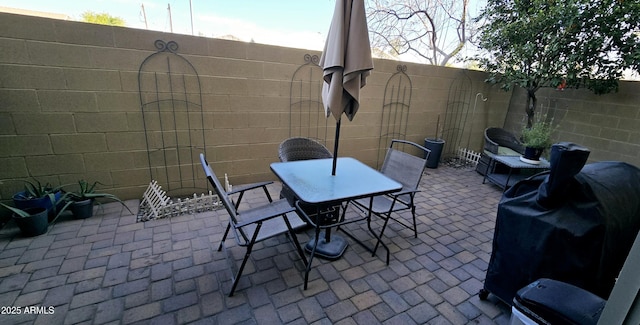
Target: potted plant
{"x":31,"y":221}
{"x":536,"y":139}
{"x":81,"y":201}
{"x":37,"y":194}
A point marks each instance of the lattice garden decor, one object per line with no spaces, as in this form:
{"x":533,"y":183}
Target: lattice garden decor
{"x":468,"y":156}
{"x":156,"y":204}
{"x":464,"y":158}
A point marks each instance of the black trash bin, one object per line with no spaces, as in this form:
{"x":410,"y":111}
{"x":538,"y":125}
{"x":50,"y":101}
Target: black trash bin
{"x":435,"y":145}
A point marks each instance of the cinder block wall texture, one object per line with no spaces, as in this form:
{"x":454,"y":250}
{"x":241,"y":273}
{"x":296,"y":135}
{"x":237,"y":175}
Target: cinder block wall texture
{"x":608,"y":125}
{"x":70,"y":106}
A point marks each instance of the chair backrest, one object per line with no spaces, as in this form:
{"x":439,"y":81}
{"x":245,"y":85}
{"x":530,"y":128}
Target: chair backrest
{"x":403,"y":167}
{"x":300,"y":148}
{"x":495,"y":137}
{"x":222,"y":194}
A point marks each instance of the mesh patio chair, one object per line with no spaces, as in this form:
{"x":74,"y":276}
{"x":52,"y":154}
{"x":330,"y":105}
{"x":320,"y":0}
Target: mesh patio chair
{"x":256,"y":224}
{"x":406,"y":169}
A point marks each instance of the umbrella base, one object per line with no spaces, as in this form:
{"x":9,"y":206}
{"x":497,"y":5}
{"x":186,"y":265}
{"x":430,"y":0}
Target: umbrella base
{"x":330,"y":250}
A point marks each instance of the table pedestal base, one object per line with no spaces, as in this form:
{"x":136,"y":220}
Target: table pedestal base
{"x":330,"y":250}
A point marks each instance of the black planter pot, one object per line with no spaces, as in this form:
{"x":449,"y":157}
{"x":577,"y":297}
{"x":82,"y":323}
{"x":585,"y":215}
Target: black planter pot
{"x":532,"y":153}
{"x":82,"y":209}
{"x":435,"y":145}
{"x":34,"y":225}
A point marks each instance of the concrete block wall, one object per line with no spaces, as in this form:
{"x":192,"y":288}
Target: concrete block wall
{"x":609,"y":125}
{"x":70,"y":106}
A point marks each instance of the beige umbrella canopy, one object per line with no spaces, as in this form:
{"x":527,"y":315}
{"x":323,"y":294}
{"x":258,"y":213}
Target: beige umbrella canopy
{"x":346,"y":61}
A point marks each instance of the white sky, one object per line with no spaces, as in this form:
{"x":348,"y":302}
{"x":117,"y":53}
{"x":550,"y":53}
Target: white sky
{"x":290,"y":23}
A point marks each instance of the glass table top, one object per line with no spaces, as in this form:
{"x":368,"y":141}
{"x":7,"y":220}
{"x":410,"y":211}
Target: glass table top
{"x":312,"y":182}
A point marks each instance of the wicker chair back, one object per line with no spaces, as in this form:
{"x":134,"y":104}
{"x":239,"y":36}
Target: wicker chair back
{"x":300,"y":148}
{"x":499,"y":137}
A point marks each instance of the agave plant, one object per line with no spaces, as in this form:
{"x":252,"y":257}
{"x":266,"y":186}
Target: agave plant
{"x":35,"y":189}
{"x":18,"y":212}
{"x":31,"y":221}
{"x":38,"y":194}
{"x":87,"y":191}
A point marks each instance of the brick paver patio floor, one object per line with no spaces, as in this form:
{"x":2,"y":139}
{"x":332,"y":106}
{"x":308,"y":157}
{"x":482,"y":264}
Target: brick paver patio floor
{"x":110,"y":269}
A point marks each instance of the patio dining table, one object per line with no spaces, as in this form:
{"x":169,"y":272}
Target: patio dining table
{"x":313,"y":185}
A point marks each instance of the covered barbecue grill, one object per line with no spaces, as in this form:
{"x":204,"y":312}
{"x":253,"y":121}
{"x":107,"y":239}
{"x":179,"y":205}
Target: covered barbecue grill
{"x":573,"y":224}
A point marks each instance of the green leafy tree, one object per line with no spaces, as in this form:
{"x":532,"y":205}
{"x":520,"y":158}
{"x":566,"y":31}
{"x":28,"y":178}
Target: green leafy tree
{"x":559,"y":43}
{"x":102,"y":19}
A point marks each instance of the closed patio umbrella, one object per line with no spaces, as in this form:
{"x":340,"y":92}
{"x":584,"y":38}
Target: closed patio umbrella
{"x":346,"y":62}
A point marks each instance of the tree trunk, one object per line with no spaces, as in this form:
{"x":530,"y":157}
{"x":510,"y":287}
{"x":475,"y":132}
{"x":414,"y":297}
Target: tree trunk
{"x":531,"y":107}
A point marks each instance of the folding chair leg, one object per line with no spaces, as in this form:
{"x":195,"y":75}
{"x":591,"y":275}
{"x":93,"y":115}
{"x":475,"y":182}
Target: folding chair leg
{"x":266,"y":192}
{"x":379,"y":238}
{"x":313,"y":251}
{"x":244,"y":261}
{"x":415,"y":227}
{"x":224,"y":237}
{"x":293,"y":236}
{"x":384,"y":226}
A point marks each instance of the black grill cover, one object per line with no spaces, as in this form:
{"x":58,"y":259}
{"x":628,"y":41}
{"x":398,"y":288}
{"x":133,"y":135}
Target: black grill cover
{"x":579,"y":230}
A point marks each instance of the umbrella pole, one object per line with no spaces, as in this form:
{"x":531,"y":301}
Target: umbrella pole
{"x":335,"y":147}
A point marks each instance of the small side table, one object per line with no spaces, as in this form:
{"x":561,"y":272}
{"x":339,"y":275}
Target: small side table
{"x":505,"y":181}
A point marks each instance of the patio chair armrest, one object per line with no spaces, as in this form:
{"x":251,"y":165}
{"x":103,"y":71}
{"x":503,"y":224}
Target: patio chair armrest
{"x":263,"y":213}
{"x":246,"y":187}
{"x":403,"y":192}
{"x":240,"y":189}
{"x":391,"y":197}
